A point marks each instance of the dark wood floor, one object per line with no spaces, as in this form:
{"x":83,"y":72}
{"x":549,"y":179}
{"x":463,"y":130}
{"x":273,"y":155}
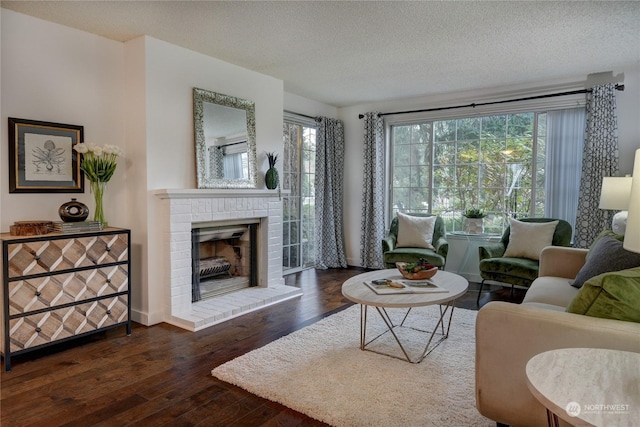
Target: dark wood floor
{"x":161,"y":375}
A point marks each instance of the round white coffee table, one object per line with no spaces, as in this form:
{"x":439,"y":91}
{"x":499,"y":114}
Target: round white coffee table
{"x":587,"y":386}
{"x":451,"y":285}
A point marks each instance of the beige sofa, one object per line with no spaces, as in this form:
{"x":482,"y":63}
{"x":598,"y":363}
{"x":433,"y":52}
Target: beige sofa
{"x":508,"y":335}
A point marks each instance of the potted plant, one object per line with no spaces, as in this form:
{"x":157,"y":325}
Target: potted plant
{"x":474,"y":221}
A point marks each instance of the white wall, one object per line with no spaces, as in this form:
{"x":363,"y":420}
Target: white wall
{"x":56,"y":74}
{"x":628,"y":103}
{"x":137,"y":95}
{"x":166,"y":138}
{"x":298,"y":104}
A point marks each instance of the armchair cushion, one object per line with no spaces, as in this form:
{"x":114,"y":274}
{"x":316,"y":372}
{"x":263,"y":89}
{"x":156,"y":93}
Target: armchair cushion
{"x":612,"y":295}
{"x":527,"y":239}
{"x":415,"y":231}
{"x":606,"y":254}
{"x":517,"y":271}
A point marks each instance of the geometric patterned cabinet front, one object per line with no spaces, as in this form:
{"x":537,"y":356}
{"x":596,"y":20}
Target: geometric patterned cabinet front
{"x":58,"y":287}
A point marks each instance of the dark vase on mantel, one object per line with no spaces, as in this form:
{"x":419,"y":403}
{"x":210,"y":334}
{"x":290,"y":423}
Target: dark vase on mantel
{"x":271,"y":178}
{"x":73,"y":211}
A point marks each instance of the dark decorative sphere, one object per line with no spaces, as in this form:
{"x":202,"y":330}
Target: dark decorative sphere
{"x":73,"y":211}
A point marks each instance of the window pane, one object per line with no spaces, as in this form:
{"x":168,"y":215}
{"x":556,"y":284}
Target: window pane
{"x":420,"y":154}
{"x":468,"y":151}
{"x":444,"y":176}
{"x":444,"y":131}
{"x":299,"y":209}
{"x":490,"y":163}
{"x":494,"y":127}
{"x":402,"y":154}
{"x":493,"y":150}
{"x":468,"y":129}
{"x":419,"y":176}
{"x":444,"y":153}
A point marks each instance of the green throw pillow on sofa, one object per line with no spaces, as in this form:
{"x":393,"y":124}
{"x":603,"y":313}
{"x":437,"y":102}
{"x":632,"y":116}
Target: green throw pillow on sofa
{"x":614,"y":295}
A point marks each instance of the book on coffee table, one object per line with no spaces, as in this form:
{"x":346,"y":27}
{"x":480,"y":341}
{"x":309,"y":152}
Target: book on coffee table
{"x":391,"y":287}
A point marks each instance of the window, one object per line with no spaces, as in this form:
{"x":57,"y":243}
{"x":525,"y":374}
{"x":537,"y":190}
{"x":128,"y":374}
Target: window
{"x":496,"y":163}
{"x":298,"y":249}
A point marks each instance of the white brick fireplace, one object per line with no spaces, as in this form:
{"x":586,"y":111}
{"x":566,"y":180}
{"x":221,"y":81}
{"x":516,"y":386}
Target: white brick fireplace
{"x":184,"y":209}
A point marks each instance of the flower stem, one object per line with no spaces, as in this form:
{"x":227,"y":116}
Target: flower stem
{"x":98,"y":187}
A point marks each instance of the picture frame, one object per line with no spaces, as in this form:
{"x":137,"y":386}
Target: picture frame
{"x":42,"y":158}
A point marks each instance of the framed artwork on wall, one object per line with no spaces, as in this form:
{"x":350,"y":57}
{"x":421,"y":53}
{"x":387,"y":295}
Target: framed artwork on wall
{"x":42,"y":158}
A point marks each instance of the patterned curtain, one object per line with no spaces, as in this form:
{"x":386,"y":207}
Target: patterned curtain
{"x":599,"y":159}
{"x":328,"y":191}
{"x":216,"y":168}
{"x":372,"y":228}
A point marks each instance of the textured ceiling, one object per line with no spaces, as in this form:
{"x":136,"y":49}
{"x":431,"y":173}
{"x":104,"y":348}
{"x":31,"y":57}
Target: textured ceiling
{"x":346,"y":53}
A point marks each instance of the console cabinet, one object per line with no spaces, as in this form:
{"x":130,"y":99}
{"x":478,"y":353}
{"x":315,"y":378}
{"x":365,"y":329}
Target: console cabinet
{"x":58,"y":287}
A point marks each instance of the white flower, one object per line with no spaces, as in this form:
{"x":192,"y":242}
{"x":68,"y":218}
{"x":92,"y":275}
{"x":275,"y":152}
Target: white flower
{"x":98,"y":162}
{"x":81,"y":148}
{"x":112,"y":149}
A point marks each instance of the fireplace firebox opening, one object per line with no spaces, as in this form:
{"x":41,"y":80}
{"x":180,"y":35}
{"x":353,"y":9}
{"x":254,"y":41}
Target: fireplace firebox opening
{"x":224,"y":259}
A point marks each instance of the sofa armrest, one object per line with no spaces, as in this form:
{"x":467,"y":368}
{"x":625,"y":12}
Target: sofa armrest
{"x":508,"y":335}
{"x":560,"y":261}
{"x":388,"y":243}
{"x":491,"y":250}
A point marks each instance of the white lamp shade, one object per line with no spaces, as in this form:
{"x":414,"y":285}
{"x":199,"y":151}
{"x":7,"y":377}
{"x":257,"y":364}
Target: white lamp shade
{"x":615,"y":193}
{"x":632,"y":235}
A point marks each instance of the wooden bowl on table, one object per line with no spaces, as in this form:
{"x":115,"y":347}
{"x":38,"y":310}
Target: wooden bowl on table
{"x":411,"y":271}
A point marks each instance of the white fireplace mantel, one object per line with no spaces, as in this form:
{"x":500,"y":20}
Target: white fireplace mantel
{"x":183,"y":209}
{"x":197,"y":193}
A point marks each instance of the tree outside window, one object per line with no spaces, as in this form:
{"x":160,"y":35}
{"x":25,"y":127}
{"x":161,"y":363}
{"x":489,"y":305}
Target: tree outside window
{"x":492,"y":163}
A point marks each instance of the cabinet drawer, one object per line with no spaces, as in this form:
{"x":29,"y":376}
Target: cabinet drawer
{"x":65,"y":288}
{"x":44,"y":328}
{"x":29,"y":258}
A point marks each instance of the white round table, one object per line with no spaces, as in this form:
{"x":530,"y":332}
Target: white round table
{"x":451,"y":285}
{"x":587,"y":386}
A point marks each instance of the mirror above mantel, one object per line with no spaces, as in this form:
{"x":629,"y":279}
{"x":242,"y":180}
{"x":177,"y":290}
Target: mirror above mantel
{"x":225,"y":140}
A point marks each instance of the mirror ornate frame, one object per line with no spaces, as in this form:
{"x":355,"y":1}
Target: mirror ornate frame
{"x":204,"y":178}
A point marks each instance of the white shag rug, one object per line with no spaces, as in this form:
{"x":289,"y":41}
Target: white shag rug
{"x":321,"y":372}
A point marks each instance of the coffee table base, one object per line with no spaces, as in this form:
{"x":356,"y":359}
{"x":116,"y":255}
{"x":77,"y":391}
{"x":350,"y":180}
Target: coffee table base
{"x":391,"y":328}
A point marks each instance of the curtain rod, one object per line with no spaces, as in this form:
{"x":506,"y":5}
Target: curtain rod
{"x":474,"y":105}
{"x":300,"y":114}
{"x":230,"y":144}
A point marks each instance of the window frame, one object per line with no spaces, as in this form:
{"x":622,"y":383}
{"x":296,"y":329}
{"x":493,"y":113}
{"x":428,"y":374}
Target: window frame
{"x":304,"y":122}
{"x":447,"y":113}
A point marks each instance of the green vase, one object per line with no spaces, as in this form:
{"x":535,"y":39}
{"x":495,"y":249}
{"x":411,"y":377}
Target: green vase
{"x":271,"y":178}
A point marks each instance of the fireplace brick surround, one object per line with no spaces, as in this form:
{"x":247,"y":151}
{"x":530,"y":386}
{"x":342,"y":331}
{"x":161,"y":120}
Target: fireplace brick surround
{"x":184,"y":209}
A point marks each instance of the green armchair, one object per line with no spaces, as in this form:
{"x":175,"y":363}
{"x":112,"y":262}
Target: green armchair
{"x":392,"y":254}
{"x":516,"y":271}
